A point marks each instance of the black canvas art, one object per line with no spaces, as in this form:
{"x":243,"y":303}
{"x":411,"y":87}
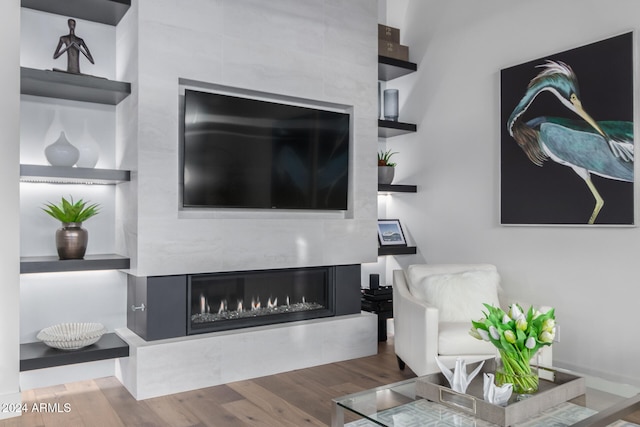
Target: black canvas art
{"x":567,"y":149}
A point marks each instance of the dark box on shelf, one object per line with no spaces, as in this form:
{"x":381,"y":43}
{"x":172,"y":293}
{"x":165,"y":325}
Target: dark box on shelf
{"x":377,"y":306}
{"x":382,"y":290}
{"x":388,"y":33}
{"x":393,"y":50}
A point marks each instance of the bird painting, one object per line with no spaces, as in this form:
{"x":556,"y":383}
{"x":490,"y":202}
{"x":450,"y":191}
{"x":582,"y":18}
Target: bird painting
{"x":576,"y":140}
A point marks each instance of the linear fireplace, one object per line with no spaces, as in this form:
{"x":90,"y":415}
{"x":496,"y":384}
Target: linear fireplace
{"x":163,"y":307}
{"x":224,"y":301}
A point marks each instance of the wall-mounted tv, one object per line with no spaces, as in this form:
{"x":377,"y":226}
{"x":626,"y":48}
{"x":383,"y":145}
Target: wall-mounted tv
{"x":250,"y":153}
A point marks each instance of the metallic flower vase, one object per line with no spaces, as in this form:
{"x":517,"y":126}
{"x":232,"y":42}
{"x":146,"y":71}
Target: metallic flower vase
{"x":71,"y":240}
{"x":386,"y":174}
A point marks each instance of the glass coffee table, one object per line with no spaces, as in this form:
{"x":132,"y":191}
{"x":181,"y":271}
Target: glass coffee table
{"x":604,"y":404}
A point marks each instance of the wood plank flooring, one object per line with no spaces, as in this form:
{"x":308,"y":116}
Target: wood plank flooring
{"x":297,"y":398}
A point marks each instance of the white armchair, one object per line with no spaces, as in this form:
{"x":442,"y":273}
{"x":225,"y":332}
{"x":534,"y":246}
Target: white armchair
{"x":433,"y":305}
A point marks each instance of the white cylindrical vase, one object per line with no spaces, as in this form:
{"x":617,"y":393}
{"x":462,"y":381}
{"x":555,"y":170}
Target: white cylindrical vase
{"x":89,"y":150}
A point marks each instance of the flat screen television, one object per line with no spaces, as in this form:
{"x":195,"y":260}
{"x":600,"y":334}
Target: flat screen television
{"x":249,"y":153}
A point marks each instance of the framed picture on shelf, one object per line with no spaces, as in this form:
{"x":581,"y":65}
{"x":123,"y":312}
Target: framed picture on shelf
{"x":390,"y":233}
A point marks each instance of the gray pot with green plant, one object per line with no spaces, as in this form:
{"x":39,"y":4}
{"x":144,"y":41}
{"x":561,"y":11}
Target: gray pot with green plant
{"x":386,"y":168}
{"x":71,"y":238}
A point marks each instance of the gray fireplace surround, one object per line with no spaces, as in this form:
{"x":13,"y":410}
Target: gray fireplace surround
{"x":160,"y":307}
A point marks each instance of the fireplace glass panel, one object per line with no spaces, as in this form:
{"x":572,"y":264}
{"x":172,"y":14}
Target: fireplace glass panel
{"x":224,"y":301}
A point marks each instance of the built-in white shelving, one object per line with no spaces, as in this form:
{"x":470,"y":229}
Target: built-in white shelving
{"x":82,"y":88}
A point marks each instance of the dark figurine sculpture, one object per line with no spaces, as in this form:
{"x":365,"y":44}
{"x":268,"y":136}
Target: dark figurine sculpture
{"x":73,"y":46}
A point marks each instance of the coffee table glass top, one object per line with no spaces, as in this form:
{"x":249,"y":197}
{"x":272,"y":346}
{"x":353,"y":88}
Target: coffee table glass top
{"x":397,"y":405}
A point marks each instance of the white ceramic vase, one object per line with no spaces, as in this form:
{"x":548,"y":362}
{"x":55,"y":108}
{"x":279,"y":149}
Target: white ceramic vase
{"x":89,"y":150}
{"x":61,"y":152}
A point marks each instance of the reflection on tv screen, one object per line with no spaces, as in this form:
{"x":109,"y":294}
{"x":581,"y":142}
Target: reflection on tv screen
{"x":248,"y":153}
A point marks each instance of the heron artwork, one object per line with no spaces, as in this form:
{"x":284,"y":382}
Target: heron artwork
{"x":587,"y":146}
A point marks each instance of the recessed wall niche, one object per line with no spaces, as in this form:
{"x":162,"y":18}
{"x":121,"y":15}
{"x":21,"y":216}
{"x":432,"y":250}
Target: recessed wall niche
{"x":39,"y":35}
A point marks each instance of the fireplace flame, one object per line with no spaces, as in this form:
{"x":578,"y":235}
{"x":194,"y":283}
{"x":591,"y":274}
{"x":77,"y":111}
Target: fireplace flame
{"x":219,"y":309}
{"x":203,"y":304}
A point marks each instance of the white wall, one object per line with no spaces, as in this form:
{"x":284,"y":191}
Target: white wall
{"x":589,"y":274}
{"x":10,"y":195}
{"x":317,"y":51}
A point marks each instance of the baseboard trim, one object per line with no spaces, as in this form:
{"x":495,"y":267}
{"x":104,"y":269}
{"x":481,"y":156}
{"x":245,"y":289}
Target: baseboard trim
{"x":623,"y":385}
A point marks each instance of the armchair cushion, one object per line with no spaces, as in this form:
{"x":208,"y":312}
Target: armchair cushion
{"x":454,"y":339}
{"x":458,"y":296}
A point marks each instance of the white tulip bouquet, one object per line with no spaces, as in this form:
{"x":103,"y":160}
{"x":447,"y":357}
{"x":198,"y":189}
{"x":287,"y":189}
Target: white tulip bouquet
{"x":518,"y":335}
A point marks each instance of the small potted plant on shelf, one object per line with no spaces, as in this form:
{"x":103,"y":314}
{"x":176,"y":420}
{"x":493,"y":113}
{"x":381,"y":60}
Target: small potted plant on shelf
{"x":71,"y":238}
{"x":386,"y":168}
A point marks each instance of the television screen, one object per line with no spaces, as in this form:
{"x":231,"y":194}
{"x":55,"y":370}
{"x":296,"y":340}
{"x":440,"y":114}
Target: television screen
{"x":248,"y":153}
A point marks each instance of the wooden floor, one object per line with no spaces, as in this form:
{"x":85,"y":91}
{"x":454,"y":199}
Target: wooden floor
{"x":297,"y":398}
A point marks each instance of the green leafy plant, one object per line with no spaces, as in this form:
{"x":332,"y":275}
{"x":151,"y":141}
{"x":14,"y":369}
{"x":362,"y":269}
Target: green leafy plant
{"x":68,"y":211}
{"x":384,"y":158}
{"x":517,"y":335}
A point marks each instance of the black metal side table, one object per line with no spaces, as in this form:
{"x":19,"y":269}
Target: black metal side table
{"x":380,"y":302}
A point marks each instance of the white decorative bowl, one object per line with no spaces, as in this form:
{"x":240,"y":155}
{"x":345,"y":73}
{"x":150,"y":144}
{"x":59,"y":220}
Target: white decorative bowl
{"x":71,"y":336}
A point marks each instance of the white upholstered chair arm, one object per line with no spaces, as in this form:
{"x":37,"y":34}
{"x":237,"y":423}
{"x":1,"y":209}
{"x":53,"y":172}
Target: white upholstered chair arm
{"x":415,"y":327}
{"x":545,"y":355}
